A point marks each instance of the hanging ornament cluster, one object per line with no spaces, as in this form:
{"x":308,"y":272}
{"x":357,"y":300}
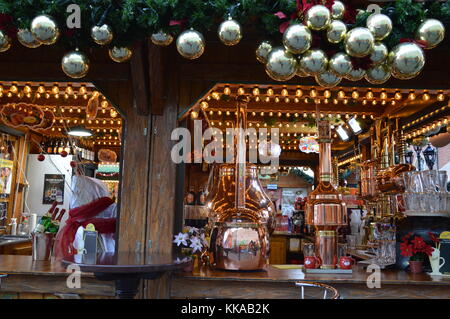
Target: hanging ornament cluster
{"x":362,"y":46}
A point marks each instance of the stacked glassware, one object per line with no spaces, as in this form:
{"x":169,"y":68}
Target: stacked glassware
{"x":426,"y":192}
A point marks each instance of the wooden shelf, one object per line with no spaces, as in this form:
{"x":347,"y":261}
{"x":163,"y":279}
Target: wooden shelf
{"x":425,"y":214}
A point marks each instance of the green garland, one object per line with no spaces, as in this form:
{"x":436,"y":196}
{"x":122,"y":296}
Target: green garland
{"x":299,"y":172}
{"x":134,"y":20}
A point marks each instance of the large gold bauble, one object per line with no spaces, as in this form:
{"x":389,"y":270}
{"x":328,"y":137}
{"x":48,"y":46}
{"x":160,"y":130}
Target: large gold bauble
{"x":431,"y":31}
{"x":328,"y":79}
{"x":161,"y":38}
{"x":355,"y":74}
{"x":45,"y":29}
{"x":75,"y":64}
{"x":318,"y":17}
{"x":380,"y":25}
{"x":340,"y":64}
{"x":5,"y":41}
{"x":379,"y":53}
{"x":27,"y":39}
{"x":359,"y":42}
{"x":281,"y":65}
{"x":337,"y":10}
{"x":314,"y":62}
{"x":379,"y":74}
{"x":230,"y":32}
{"x":297,"y":38}
{"x":336,"y":31}
{"x":190,"y":44}
{"x":406,"y":60}
{"x":102,"y":34}
{"x":120,"y":54}
{"x":263,"y":50}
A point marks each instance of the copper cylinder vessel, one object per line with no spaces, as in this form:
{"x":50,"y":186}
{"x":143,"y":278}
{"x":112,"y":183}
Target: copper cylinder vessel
{"x":325,"y":209}
{"x":241,"y":214}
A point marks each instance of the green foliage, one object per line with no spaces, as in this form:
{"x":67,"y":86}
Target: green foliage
{"x":134,"y":20}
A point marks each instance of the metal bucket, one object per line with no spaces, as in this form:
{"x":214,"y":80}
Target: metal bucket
{"x":42,"y":245}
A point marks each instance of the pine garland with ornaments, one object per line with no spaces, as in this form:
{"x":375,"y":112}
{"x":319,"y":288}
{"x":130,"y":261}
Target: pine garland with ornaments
{"x":329,"y":40}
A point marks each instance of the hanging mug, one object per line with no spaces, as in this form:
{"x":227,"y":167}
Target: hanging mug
{"x":312,"y":262}
{"x":346,"y":262}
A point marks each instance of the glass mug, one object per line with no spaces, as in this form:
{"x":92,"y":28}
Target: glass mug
{"x":308,"y":250}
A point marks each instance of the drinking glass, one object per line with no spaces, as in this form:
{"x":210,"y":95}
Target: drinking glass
{"x":408,"y":179}
{"x":416,"y":182}
{"x":351,"y":240}
{"x":308,"y":250}
{"x":429,"y":180}
{"x":341,"y":251}
{"x":442,"y":201}
{"x":442,"y":180}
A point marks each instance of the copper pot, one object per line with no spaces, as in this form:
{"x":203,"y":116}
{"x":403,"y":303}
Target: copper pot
{"x":239,"y":227}
{"x":390,"y":180}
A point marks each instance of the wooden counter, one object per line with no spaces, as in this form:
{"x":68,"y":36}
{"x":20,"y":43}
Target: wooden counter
{"x":46,"y":279}
{"x":279,"y":283}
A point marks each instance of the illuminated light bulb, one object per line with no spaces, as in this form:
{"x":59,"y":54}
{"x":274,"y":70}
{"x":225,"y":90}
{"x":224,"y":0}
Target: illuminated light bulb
{"x":255,"y":91}
{"x":341,"y":94}
{"x":286,"y":100}
{"x":371,"y":116}
{"x":305,"y":115}
{"x":298,"y":92}
{"x":279,"y":114}
{"x":270,"y":113}
{"x":55,"y":89}
{"x":335,"y":101}
{"x":103,"y":111}
{"x":313,"y":93}
{"x":85,"y":96}
{"x":13,"y":89}
{"x":306,"y":100}
{"x":82,"y":90}
{"x":69,"y":90}
{"x":262,"y":113}
{"x":440,"y":97}
{"x":215,"y":95}
{"x":63,"y":110}
{"x":374,"y":102}
{"x":383,"y":95}
{"x":412,"y":96}
{"x":28,"y":95}
{"x":227,"y":113}
{"x":369,"y":95}
{"x":219,"y":112}
{"x":398,"y":95}
{"x":327,"y":94}
{"x":425,"y":97}
{"x":393,"y":102}
{"x":27,"y":89}
{"x":257,"y":99}
{"x":284,"y":92}
{"x":355,"y":94}
{"x":70,"y":110}
{"x":226,"y":90}
{"x":364,"y":102}
{"x":288,"y":114}
{"x":241,"y":91}
{"x":277,"y":99}
{"x":270,"y":91}
{"x":364,"y":116}
{"x":345,"y":101}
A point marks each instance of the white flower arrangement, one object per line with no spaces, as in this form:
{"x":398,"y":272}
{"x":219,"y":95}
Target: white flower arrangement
{"x":193,"y":238}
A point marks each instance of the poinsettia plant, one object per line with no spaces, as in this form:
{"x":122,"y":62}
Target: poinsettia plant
{"x":415,"y":248}
{"x":435,"y":239}
{"x":192,"y":238}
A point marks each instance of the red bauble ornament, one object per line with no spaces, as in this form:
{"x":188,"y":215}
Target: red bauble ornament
{"x":73,"y":164}
{"x":63,"y":154}
{"x":41,"y":157}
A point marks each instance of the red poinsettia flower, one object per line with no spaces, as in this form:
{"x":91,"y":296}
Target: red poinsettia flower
{"x":418,"y":243}
{"x":406,"y":249}
{"x":434,"y":238}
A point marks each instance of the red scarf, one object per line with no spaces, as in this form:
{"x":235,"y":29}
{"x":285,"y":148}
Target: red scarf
{"x":82,"y":216}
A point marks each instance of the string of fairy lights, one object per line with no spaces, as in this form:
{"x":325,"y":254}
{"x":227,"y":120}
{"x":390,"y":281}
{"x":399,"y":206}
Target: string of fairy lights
{"x":60,"y":98}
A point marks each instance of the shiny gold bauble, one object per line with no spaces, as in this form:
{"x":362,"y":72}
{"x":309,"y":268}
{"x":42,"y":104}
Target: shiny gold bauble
{"x":337,"y":10}
{"x":379,"y":53}
{"x":314,"y":62}
{"x":336,"y":31}
{"x":380,"y":25}
{"x":120,"y":54}
{"x":355,"y":74}
{"x":161,"y":38}
{"x":340,"y":64}
{"x":318,"y":17}
{"x":190,"y":44}
{"x":328,"y":79}
{"x":5,"y":41}
{"x":230,"y":32}
{"x":431,"y":31}
{"x":281,"y":65}
{"x":378,"y":74}
{"x":263,"y":50}
{"x":45,"y":29}
{"x":297,"y":38}
{"x":27,"y":39}
{"x":75,"y":64}
{"x":359,"y":42}
{"x":102,"y":34}
{"x":406,"y":60}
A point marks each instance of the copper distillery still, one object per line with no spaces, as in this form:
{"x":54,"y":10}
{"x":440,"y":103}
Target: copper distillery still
{"x":325,"y":209}
{"x":241,"y":214}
